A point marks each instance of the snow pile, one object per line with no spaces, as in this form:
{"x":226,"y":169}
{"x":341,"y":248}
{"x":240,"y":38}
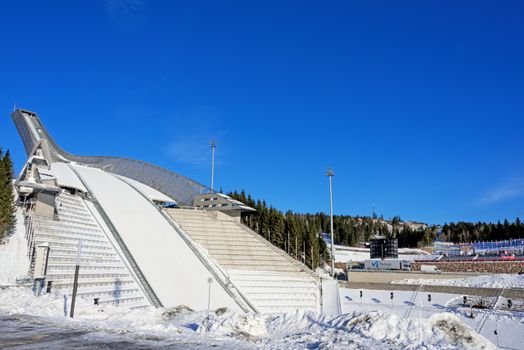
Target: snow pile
{"x":489,"y":281}
{"x":296,"y":330}
{"x":372,"y":330}
{"x":55,"y":306}
{"x":249,"y":326}
{"x":14,"y":262}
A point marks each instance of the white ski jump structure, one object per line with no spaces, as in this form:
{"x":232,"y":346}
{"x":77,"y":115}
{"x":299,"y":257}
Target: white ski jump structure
{"x":146,"y":236}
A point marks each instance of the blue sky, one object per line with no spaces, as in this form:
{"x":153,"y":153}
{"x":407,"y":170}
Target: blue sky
{"x":417,"y":105}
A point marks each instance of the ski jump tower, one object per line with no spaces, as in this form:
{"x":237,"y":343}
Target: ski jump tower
{"x":147,"y":236}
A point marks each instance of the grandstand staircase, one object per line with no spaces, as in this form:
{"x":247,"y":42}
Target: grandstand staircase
{"x":103,"y":272}
{"x":269,"y":278}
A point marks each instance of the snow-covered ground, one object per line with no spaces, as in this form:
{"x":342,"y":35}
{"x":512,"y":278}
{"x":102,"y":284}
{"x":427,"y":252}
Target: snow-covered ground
{"x":509,"y":326}
{"x":13,"y":254}
{"x":360,"y":328}
{"x":375,"y":321}
{"x":486,"y":281}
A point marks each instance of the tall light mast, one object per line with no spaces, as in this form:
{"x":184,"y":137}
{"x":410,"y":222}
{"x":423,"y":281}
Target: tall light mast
{"x":330,"y":174}
{"x":213,"y":146}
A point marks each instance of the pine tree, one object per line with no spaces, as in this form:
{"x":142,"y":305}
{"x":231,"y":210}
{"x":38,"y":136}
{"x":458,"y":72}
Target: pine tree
{"x":7,"y":207}
{"x":277,"y":227}
{"x":3,"y":194}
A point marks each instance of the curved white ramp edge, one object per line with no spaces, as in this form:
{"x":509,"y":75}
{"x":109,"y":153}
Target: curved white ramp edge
{"x":173,"y":271}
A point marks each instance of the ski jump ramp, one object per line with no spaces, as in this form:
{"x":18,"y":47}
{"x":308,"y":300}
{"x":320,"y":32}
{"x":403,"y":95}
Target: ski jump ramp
{"x":136,"y":251}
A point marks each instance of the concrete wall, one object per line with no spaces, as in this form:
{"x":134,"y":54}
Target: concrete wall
{"x":388,"y":276}
{"x":45,"y":205}
{"x":475,"y":266}
{"x":484,"y":292}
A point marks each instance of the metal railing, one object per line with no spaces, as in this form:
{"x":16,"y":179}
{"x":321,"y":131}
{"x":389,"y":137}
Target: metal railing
{"x":29,"y":229}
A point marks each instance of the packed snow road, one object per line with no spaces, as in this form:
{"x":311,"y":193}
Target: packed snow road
{"x":25,"y":332}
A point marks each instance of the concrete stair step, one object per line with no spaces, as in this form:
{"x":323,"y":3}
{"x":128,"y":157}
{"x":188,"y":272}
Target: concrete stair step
{"x":225,"y":240}
{"x":89,"y":291}
{"x":258,"y":267}
{"x":64,"y":245}
{"x":278,"y":299}
{"x":284,"y":303}
{"x":72,"y":240}
{"x":247,"y":255}
{"x":84,"y":265}
{"x":85,"y":275}
{"x":267,"y":274}
{"x":102,"y":280}
{"x":293,"y":294}
{"x":282,"y":309}
{"x":246,"y":261}
{"x":236,"y":245}
{"x":127,"y":303}
{"x":282,"y":285}
{"x":218,"y":234}
{"x":66,"y":259}
{"x":290,"y":279}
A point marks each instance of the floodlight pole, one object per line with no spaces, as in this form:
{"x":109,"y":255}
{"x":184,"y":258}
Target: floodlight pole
{"x":330,"y":174}
{"x":213,"y":146}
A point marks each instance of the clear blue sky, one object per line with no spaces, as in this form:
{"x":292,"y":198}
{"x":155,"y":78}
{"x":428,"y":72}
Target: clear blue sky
{"x":417,"y":105}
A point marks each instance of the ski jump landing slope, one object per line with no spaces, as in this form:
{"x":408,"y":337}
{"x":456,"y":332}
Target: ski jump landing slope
{"x":171,"y":268}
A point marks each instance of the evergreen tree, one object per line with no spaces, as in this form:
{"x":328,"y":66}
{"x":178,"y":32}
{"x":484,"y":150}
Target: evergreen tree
{"x":3,"y":193}
{"x":7,"y":206}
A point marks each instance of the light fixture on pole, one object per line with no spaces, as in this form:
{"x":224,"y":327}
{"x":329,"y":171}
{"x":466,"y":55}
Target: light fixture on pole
{"x":330,"y":174}
{"x":213,"y":146}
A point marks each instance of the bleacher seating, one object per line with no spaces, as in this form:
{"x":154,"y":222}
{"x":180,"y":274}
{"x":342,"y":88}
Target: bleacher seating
{"x":103,"y":273}
{"x":267,"y":276}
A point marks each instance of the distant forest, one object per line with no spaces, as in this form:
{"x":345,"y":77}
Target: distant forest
{"x":296,"y":232}
{"x":299,"y":234}
{"x":461,"y":232}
